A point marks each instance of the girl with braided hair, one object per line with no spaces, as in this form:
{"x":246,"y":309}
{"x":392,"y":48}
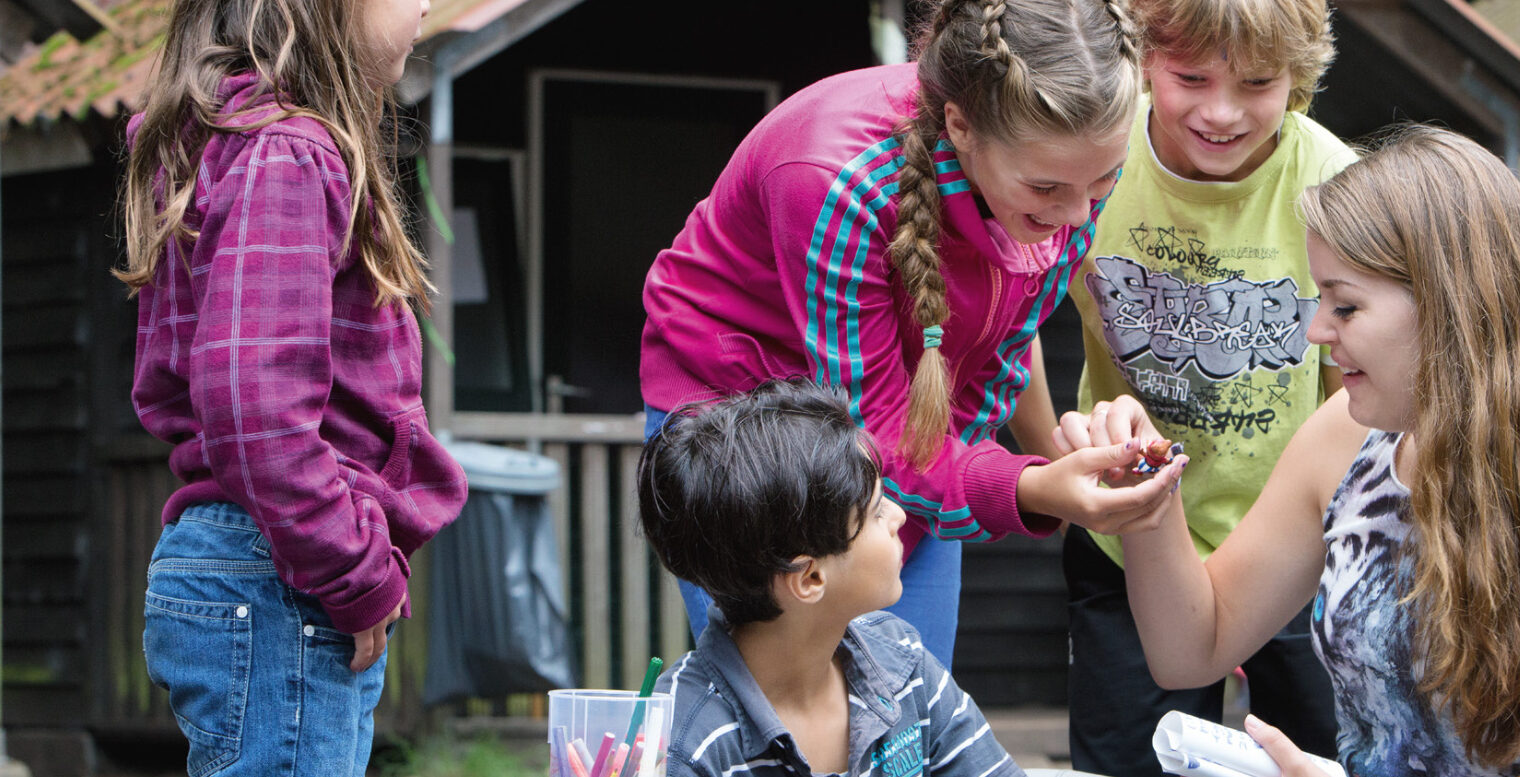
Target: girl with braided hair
{"x":901,"y":231}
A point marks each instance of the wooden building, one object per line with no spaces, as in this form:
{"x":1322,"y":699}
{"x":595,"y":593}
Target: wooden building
{"x":566,"y":140}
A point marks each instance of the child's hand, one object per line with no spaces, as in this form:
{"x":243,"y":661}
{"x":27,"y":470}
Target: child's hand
{"x":369,"y":645}
{"x":1287,"y":755}
{"x":1070,"y":488}
{"x":1109,"y":423}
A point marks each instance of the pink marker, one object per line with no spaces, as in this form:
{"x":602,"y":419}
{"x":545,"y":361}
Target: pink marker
{"x":604,"y":755}
{"x":577,"y":764}
{"x":618,"y":759}
{"x":631,"y":765}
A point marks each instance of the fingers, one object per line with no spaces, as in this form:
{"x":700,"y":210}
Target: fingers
{"x":369,"y":645}
{"x":1078,"y":430}
{"x":367,"y":648}
{"x":1063,"y":445}
{"x":1110,"y":427}
{"x":1152,"y":512}
{"x":1135,"y":508}
{"x":1109,"y":423}
{"x":1098,"y":426}
{"x":1071,"y":433}
{"x":1282,"y":750}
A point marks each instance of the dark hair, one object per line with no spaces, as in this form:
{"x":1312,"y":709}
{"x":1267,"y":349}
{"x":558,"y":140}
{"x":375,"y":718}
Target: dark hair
{"x":731,"y":492}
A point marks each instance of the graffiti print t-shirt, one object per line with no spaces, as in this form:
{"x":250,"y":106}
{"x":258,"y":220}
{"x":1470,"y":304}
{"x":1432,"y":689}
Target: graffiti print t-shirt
{"x":1196,"y":299}
{"x":1362,"y":632}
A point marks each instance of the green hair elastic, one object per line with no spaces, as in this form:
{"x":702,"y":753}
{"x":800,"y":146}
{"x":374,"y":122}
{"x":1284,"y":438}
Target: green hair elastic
{"x":932,"y":336}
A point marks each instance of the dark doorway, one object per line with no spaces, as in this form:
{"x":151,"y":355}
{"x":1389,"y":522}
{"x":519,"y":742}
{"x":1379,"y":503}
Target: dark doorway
{"x":625,"y":158}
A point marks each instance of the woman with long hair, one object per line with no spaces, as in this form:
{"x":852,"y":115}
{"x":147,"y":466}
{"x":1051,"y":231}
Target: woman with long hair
{"x":1396,"y":508}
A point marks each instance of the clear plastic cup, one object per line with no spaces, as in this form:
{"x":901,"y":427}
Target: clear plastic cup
{"x":594,"y":733}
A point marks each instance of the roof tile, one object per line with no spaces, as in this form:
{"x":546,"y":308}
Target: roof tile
{"x":107,"y":73}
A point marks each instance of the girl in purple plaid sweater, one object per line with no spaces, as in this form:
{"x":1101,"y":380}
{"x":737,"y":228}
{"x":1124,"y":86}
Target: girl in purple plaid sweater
{"x":278,"y":354}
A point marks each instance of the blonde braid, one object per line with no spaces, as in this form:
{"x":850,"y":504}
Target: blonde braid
{"x":915,"y":253}
{"x":992,"y":34}
{"x":1018,"y":84}
{"x":1129,"y":32}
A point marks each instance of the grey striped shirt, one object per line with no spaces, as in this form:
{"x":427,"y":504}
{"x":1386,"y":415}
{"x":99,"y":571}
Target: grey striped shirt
{"x":907,"y":715}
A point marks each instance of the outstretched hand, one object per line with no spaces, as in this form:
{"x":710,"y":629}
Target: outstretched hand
{"x":1289,"y":758}
{"x":1072,"y":488}
{"x":1101,"y":448}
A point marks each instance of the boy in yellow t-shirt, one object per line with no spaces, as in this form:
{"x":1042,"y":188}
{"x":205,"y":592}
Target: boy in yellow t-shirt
{"x":1195,"y":298}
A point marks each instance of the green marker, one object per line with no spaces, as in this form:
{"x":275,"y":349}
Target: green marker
{"x":650,"y":675}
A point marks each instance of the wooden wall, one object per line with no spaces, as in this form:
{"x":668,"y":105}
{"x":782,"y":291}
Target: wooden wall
{"x":66,"y":326}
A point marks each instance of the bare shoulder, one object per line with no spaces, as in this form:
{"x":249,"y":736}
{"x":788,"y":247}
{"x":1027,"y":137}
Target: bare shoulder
{"x":1323,"y":449}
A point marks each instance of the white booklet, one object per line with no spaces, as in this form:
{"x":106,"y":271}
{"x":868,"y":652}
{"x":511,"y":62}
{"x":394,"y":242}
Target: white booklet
{"x":1194,"y":747}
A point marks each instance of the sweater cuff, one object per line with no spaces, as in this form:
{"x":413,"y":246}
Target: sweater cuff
{"x":992,"y":478}
{"x":366,"y":611}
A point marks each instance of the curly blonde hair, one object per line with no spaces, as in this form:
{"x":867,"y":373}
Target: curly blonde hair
{"x":1254,"y":34}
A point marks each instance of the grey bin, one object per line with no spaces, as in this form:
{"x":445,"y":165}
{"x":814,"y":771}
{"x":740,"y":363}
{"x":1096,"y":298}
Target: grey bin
{"x":497,"y":621}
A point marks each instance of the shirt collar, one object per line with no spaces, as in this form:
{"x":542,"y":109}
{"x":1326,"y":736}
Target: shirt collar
{"x":877,"y":669}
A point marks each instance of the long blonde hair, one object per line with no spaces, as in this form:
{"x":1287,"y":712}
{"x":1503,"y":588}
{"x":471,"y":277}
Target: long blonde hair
{"x":1436,"y":212}
{"x":309,"y":59}
{"x":1017,"y":69}
{"x":1265,"y":34}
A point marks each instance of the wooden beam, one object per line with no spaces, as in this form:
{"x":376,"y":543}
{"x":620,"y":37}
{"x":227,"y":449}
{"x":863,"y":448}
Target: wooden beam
{"x":1432,"y":56}
{"x":495,"y":427}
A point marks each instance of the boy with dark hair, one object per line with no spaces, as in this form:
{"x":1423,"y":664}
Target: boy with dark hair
{"x":772,"y":502}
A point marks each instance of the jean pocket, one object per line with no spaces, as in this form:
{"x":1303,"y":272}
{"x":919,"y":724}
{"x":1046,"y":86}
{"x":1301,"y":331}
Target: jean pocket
{"x":201,"y":652}
{"x":326,"y":653}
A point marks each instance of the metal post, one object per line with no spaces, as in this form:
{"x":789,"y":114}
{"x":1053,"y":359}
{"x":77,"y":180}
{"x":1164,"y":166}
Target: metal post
{"x":8,"y":767}
{"x":440,"y":164}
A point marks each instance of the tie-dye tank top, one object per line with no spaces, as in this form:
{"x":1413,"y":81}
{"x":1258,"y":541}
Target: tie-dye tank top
{"x":1363,"y":635}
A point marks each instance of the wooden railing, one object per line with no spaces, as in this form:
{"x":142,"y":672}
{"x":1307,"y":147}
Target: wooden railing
{"x":623,"y":606}
{"x":137,"y":484}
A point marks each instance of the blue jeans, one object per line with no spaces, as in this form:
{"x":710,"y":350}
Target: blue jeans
{"x":257,"y":676}
{"x":931,"y":585}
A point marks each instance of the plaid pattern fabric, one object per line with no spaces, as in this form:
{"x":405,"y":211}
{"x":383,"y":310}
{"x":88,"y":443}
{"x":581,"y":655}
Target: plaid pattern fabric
{"x":263,"y":359}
